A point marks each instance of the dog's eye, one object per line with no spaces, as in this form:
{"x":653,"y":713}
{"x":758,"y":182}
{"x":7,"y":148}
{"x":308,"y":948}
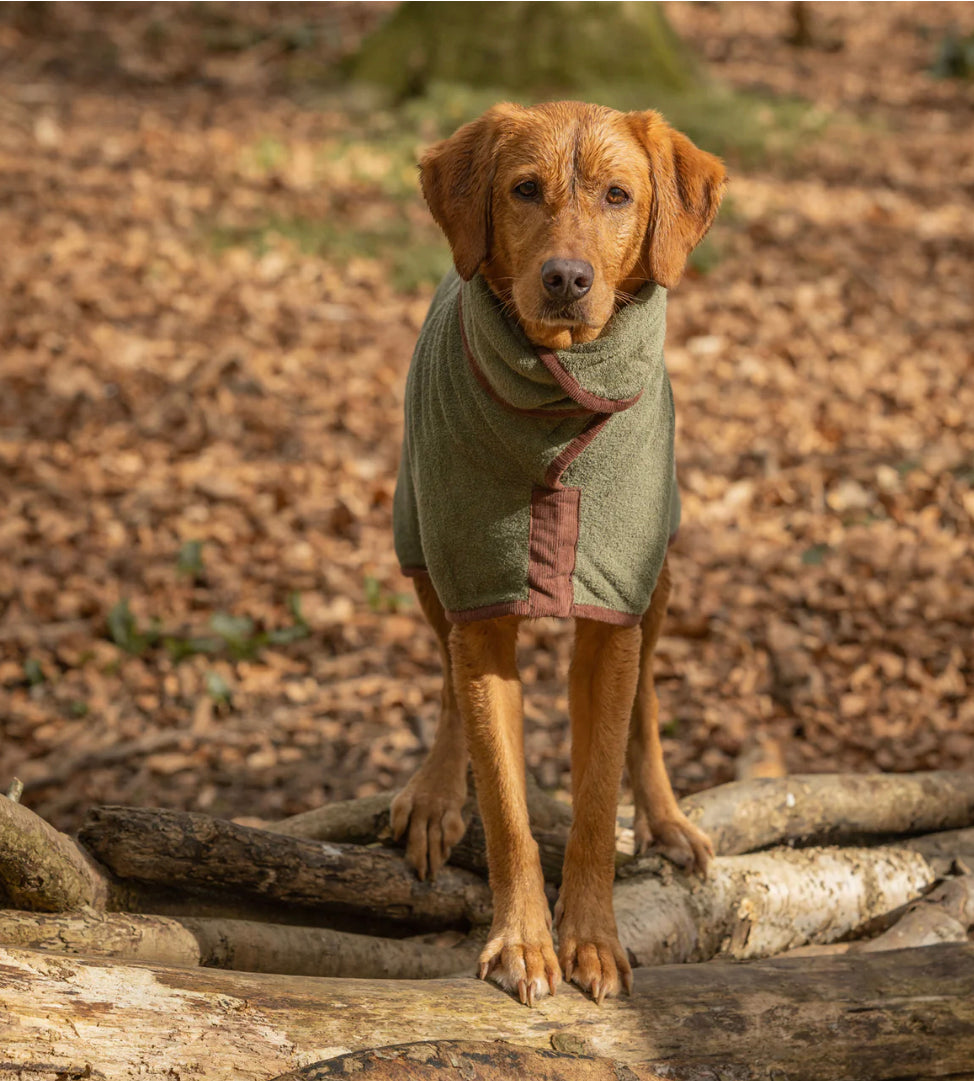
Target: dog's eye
{"x":527,"y":189}
{"x":617,"y":196}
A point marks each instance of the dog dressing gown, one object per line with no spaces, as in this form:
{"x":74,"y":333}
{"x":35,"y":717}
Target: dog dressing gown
{"x":534,"y":482}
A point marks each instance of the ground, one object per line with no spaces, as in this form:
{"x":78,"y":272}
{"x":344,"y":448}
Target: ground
{"x":213,"y":265}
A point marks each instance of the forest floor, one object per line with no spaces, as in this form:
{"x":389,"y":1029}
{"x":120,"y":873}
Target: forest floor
{"x":211,"y":278}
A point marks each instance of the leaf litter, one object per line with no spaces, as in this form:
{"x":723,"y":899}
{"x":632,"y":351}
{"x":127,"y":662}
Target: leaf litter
{"x":211,"y":284}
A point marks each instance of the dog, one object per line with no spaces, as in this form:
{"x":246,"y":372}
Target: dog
{"x":538,"y":443}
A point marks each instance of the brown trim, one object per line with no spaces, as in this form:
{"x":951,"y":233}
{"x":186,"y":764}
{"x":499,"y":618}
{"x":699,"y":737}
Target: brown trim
{"x":571,"y":386}
{"x":552,"y":477}
{"x":527,"y":609}
{"x":486,"y":386}
{"x":552,"y":545}
{"x":490,"y":611}
{"x":523,"y":610}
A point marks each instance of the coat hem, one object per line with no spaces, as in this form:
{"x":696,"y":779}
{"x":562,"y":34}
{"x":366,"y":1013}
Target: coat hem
{"x":530,"y":610}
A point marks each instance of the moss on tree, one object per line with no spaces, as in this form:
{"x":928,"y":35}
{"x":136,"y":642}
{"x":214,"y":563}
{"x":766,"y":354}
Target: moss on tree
{"x":527,"y":48}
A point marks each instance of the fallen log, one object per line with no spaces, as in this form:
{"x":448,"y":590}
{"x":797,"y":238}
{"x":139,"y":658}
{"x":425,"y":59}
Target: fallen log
{"x":187,"y":849}
{"x":823,"y":809}
{"x":749,"y":906}
{"x":875,"y":1017}
{"x":360,"y":821}
{"x":238,"y":944}
{"x":762,"y":903}
{"x":41,"y":869}
{"x":447,"y":1060}
{"x":945,"y":849}
{"x":366,"y":821}
{"x":744,"y":816}
{"x":946,"y":914}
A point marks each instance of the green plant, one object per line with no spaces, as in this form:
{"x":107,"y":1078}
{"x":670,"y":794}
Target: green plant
{"x":234,"y":636}
{"x":380,"y":599}
{"x":190,"y":559}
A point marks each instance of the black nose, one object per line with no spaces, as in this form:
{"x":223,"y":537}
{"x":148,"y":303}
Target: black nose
{"x":567,"y":279}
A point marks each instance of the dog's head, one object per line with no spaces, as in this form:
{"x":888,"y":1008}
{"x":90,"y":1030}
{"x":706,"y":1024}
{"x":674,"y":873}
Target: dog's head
{"x":567,"y":209}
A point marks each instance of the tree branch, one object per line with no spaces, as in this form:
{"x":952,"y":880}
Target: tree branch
{"x":41,"y":869}
{"x":820,"y":809}
{"x":178,"y":848}
{"x":238,"y":944}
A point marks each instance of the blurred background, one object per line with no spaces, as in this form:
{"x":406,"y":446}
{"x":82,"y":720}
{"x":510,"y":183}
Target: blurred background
{"x":214,"y":261}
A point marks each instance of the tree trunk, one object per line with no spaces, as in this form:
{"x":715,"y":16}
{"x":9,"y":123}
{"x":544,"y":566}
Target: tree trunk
{"x":528,"y":48}
{"x":874,"y":1017}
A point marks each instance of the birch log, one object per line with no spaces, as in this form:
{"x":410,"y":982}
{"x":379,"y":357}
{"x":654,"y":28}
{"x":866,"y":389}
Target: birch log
{"x":763,"y":903}
{"x":873,"y":1017}
{"x":811,"y":809}
{"x":946,"y":914}
{"x":831,"y":808}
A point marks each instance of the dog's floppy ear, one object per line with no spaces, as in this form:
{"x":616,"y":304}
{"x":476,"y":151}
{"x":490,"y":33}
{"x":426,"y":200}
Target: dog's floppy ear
{"x":456,"y":177}
{"x":688,"y":185}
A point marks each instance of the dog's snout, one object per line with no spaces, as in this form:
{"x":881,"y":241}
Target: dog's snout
{"x":567,"y":279}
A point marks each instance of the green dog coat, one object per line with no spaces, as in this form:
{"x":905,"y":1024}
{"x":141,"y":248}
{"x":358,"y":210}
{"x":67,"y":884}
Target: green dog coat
{"x":534,"y":482}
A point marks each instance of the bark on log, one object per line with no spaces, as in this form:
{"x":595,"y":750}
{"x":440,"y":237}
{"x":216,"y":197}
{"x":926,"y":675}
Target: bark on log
{"x":352,"y":821}
{"x":946,"y":914}
{"x":813,"y":809}
{"x":762,"y":903}
{"x":831,"y":808}
{"x":753,"y":906}
{"x":181,"y":848}
{"x":875,"y":1017}
{"x":41,"y":869}
{"x":238,"y":944}
{"x":89,"y":933}
{"x":451,"y":1060}
{"x":366,"y":820}
{"x":945,"y":849}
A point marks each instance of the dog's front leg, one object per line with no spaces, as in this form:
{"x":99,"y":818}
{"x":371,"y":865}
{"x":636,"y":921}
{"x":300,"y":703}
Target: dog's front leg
{"x":519,"y":954}
{"x":602,"y":687}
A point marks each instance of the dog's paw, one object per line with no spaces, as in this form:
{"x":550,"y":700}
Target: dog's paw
{"x":595,"y":963}
{"x":528,"y":969}
{"x":432,"y":822}
{"x":676,"y":838}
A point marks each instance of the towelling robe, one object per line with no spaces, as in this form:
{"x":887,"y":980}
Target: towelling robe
{"x":533,"y":482}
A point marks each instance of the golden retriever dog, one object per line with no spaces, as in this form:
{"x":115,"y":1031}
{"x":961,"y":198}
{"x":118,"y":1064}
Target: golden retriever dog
{"x":537,"y":480}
